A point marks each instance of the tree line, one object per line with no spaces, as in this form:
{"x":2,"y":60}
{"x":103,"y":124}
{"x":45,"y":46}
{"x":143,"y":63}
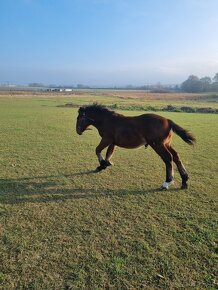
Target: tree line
{"x":195,"y":84}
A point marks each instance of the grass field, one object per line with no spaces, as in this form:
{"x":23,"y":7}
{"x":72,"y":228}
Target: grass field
{"x":64,"y":227}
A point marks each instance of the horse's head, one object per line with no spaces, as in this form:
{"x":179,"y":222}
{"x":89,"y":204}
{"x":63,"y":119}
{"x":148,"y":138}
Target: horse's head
{"x":83,"y":120}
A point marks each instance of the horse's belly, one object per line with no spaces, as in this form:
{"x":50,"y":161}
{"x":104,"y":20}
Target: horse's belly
{"x":129,"y":137}
{"x":130,"y":143}
{"x":130,"y":146}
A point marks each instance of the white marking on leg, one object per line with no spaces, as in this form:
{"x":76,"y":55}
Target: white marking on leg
{"x":182,"y":169}
{"x":166,"y":184}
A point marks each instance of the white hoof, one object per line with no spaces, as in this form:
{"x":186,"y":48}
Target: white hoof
{"x":166,"y":185}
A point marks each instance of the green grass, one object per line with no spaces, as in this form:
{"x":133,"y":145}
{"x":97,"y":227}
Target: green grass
{"x":64,"y":227}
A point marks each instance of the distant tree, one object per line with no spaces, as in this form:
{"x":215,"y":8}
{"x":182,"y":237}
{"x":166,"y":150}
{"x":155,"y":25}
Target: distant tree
{"x":129,"y":87}
{"x":36,"y":85}
{"x":215,"y":78}
{"x":177,"y":88}
{"x":205,"y":84}
{"x":81,"y":86}
{"x":214,"y":85}
{"x":206,"y":80}
{"x":192,"y":84}
{"x":195,"y":85}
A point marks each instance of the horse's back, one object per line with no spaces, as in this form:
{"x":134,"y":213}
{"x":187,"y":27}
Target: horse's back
{"x":151,"y":117}
{"x":131,"y":132}
{"x":153,"y":127}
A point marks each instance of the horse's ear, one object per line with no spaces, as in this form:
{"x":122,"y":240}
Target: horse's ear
{"x":81,"y":110}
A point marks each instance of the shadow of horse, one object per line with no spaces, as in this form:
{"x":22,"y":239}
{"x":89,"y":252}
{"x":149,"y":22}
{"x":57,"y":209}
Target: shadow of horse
{"x":41,"y":189}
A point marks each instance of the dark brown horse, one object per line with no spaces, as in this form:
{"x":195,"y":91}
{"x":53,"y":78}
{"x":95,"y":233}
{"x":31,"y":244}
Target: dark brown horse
{"x":131,"y":132}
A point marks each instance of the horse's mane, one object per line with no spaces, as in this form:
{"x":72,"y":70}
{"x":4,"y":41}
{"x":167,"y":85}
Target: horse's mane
{"x":99,"y":109}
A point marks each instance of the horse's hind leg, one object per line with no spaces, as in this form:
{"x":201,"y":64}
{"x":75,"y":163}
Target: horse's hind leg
{"x":109,"y":153}
{"x":181,"y":168}
{"x":167,"y":157}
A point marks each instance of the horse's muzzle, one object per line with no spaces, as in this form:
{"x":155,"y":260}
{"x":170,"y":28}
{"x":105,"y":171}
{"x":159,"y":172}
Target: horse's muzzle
{"x":79,"y":130}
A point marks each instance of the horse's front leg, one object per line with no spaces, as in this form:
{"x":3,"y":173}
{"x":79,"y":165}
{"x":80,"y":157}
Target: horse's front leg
{"x":110,"y":151}
{"x":102,"y":145}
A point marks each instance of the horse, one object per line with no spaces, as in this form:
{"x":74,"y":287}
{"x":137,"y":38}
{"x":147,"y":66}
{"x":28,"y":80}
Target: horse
{"x":131,"y":132}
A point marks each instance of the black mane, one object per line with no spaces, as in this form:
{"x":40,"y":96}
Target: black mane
{"x":98,"y":109}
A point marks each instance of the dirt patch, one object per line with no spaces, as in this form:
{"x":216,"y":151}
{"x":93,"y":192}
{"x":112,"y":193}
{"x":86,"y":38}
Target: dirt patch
{"x":128,"y":94}
{"x":68,"y":106}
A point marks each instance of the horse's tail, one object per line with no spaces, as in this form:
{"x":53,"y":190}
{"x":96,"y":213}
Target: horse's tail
{"x":183,"y":133}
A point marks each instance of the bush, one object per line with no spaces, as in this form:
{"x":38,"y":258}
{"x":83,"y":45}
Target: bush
{"x":206,"y":110}
{"x":188,"y":109}
{"x":171,"y":108}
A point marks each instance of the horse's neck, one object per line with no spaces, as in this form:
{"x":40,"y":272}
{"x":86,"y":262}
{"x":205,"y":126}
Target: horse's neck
{"x":99,"y":125}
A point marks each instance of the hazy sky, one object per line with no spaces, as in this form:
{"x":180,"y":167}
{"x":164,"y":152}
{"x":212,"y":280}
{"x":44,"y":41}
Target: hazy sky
{"x":107,"y":42}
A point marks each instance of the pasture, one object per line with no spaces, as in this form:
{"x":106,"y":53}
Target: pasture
{"x":64,"y":227}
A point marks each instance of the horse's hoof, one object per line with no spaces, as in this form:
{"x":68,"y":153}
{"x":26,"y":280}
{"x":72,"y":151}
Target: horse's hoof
{"x":100,"y":168}
{"x":184,"y":186}
{"x":109,"y":163}
{"x":104,"y":163}
{"x":163,"y":188}
{"x":166,"y":185}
